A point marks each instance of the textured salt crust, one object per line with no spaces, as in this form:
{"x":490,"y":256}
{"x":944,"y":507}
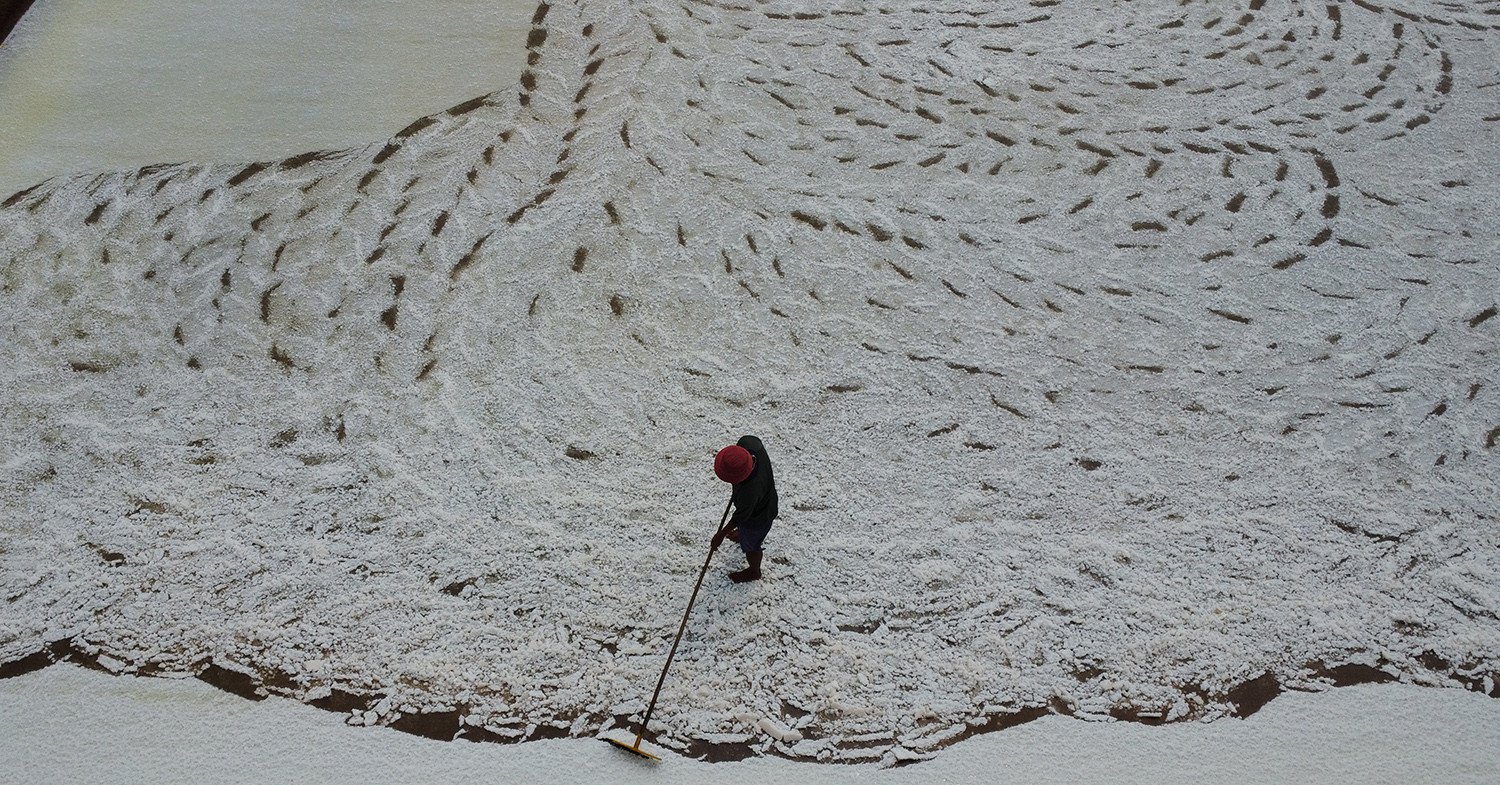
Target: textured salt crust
{"x":1112,"y":358}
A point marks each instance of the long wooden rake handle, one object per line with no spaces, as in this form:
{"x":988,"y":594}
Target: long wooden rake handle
{"x":641,"y":729}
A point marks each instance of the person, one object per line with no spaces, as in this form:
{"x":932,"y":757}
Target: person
{"x":746,"y":466}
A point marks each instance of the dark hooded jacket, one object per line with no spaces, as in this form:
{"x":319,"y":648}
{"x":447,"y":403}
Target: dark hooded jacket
{"x":755,"y":497}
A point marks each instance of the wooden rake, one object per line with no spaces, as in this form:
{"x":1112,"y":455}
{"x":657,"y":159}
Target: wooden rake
{"x":640,"y":730}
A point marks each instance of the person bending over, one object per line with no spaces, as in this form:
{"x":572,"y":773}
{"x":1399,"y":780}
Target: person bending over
{"x":746,"y":466}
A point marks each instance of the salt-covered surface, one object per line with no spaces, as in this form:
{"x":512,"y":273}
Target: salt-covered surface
{"x":68,"y":725}
{"x":104,"y":84}
{"x":1112,"y":357}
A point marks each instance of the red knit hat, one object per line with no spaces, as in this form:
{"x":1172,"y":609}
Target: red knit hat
{"x":733,"y":464}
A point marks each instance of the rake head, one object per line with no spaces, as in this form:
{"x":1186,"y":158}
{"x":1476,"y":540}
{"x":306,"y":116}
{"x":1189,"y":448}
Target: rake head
{"x":634,"y":749}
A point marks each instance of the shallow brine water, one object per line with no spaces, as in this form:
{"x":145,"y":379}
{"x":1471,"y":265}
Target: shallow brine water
{"x":104,"y":84}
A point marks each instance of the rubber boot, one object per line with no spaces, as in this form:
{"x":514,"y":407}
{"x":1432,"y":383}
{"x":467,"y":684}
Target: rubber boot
{"x":751,"y":573}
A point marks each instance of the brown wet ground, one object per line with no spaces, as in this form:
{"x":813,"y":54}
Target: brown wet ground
{"x":1247,"y":698}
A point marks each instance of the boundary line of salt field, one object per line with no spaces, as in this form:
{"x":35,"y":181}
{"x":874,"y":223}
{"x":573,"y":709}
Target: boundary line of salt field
{"x":11,"y":12}
{"x":66,"y":723}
